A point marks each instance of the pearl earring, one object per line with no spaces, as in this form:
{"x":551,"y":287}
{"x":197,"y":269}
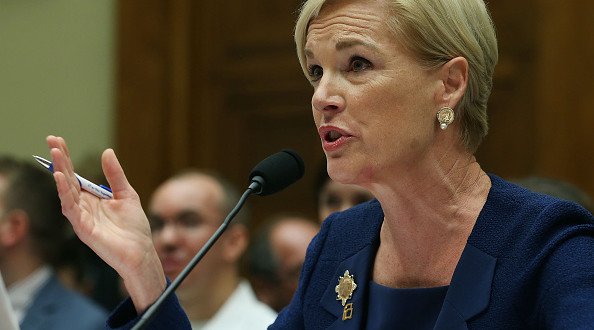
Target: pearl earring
{"x":445,"y":116}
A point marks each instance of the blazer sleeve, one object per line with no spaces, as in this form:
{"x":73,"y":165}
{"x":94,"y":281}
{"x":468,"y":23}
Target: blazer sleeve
{"x":566,"y":280}
{"x":567,"y":301}
{"x":169,"y":316}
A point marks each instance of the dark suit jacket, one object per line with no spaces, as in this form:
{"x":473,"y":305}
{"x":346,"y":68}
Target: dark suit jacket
{"x":57,"y":308}
{"x":528,"y":263}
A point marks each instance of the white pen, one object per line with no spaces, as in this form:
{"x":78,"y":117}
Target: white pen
{"x":100,"y":191}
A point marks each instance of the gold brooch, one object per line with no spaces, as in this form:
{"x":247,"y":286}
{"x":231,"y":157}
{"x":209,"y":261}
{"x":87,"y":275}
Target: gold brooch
{"x":346,"y":286}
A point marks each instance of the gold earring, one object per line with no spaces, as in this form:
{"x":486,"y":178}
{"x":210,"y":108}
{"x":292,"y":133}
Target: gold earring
{"x":445,"y":116}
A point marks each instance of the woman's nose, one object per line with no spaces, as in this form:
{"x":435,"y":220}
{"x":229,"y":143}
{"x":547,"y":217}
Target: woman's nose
{"x":327,"y":96}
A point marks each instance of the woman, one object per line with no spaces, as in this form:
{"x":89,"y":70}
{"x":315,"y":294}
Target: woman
{"x":400,"y":94}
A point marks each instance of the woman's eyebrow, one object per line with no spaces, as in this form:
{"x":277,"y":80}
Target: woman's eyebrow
{"x":352,"y":42}
{"x":344,"y":44}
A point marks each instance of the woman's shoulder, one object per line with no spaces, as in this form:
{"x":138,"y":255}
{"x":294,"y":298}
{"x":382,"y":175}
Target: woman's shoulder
{"x":516,"y":219}
{"x":512,"y":200}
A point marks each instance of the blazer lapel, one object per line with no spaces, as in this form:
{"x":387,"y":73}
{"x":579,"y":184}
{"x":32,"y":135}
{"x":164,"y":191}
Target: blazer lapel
{"x":359,"y":266}
{"x":469,"y":291}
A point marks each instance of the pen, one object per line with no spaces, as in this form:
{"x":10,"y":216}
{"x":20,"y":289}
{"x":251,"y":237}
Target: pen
{"x":100,"y":191}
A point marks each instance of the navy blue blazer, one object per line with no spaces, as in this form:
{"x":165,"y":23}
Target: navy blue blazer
{"x":56,"y":308}
{"x":528,"y":263}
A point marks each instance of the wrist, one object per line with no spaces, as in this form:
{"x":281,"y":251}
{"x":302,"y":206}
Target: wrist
{"x":147,"y":284}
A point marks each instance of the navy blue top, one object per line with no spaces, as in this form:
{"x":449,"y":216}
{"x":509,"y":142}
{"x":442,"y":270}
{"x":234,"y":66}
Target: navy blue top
{"x":526,"y":265}
{"x":416,"y":308}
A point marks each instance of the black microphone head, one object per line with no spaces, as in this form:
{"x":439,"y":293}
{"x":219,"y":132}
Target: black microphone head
{"x":278,"y":171}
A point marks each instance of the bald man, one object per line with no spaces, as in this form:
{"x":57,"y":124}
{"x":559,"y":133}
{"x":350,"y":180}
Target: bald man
{"x":184,"y":212}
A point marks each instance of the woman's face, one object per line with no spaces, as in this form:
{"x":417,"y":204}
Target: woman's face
{"x":373,"y":104}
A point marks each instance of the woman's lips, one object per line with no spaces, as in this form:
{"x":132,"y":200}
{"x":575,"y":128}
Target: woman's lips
{"x":333,"y":138}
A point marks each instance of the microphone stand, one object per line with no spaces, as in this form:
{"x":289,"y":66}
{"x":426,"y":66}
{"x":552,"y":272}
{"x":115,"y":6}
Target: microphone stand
{"x":255,"y":187}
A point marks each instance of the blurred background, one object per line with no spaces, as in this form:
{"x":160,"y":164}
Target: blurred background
{"x":175,"y":83}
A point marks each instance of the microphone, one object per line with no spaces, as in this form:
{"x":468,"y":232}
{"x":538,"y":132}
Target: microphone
{"x":271,"y":175}
{"x":277,"y":172}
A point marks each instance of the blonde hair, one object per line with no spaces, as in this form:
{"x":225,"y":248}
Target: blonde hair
{"x":434,"y":32}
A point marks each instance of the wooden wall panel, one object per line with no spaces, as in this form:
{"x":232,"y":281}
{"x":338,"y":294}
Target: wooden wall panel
{"x":565,"y":92}
{"x":143,"y":91}
{"x":261,"y":98}
{"x":542,"y":97}
{"x":229,"y":92}
{"x":509,"y":148}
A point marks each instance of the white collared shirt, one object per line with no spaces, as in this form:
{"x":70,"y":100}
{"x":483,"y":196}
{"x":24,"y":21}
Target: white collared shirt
{"x":241,"y":311}
{"x":22,"y":293}
{"x":8,"y":320}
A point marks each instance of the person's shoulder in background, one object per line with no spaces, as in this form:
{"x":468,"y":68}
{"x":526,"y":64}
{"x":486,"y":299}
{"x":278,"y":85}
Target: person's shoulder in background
{"x":556,"y":188}
{"x":57,"y":307}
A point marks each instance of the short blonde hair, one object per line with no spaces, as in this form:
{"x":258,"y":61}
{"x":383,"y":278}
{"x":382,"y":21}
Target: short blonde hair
{"x":434,"y":32}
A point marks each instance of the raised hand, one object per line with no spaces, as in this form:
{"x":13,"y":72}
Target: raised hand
{"x":116,"y":229}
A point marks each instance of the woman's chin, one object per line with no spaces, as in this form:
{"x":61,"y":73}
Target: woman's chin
{"x":347,"y":173}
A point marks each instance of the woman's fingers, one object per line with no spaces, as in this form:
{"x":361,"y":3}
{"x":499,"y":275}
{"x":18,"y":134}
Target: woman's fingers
{"x":67,"y":185}
{"x":68,"y":198}
{"x":66,"y":153}
{"x":75,"y":206}
{"x":60,"y":158}
{"x":114,"y":173}
{"x":59,"y":161}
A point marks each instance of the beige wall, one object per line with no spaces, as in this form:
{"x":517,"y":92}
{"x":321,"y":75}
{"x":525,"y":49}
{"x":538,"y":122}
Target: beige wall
{"x":56,"y":75}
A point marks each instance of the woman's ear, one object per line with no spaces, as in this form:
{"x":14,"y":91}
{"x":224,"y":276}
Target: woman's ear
{"x":454,"y":75}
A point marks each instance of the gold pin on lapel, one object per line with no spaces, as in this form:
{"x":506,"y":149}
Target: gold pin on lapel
{"x":344,"y":290}
{"x":347,"y":312}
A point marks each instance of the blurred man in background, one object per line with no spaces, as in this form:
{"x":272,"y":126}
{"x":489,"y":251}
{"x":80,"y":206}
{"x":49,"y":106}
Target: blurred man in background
{"x":333,"y":196}
{"x":32,"y":232}
{"x":184,"y":212}
{"x":276,"y":255}
{"x":556,"y":188}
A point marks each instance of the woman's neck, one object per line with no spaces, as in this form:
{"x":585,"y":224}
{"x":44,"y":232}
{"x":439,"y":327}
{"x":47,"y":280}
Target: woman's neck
{"x":429,"y":214}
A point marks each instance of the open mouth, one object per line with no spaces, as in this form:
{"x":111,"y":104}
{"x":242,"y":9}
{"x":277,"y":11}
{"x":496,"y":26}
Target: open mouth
{"x":332,"y":136}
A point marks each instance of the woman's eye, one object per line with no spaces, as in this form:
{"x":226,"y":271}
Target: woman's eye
{"x":315,"y":72}
{"x":359,"y":64}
